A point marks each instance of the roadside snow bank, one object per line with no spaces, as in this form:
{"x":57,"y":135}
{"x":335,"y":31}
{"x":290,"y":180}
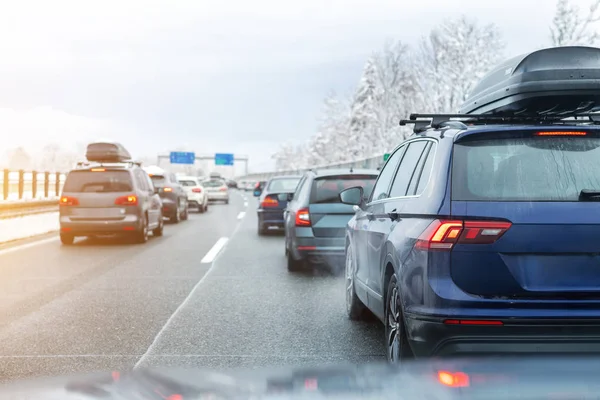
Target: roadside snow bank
{"x":27,"y":226}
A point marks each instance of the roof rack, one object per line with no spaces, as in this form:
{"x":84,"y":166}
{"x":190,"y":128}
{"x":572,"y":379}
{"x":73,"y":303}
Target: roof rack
{"x":422,"y":122}
{"x":128,"y":163}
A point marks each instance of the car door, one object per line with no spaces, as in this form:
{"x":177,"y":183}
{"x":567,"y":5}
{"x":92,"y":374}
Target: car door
{"x":300,"y":196}
{"x":363,"y":274}
{"x":155,"y":200}
{"x":146,"y":195}
{"x":177,"y":187}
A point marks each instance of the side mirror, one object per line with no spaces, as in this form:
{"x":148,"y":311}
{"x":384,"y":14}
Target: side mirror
{"x":257,"y":193}
{"x":352,"y":196}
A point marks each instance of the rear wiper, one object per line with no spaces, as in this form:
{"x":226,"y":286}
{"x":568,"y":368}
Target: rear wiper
{"x":589,"y":195}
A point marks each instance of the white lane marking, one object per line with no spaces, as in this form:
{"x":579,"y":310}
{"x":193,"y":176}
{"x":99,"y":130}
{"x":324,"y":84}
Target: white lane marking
{"x":182,"y":305}
{"x":245,"y":204}
{"x":214,"y":251}
{"x":27,"y":245}
{"x":241,"y":214}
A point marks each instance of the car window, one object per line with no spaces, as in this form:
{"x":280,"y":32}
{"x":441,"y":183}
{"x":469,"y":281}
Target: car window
{"x":301,"y":185}
{"x":427,"y":168}
{"x":382,"y":186}
{"x":187,"y":182}
{"x":213,"y":183}
{"x":407,"y":168}
{"x":109,"y":181}
{"x":525,"y":169}
{"x":327,"y":189}
{"x":141,"y":180}
{"x":283,"y":185}
{"x":158,"y":180}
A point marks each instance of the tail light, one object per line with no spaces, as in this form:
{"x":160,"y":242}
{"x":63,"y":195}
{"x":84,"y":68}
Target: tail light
{"x":68,"y":201}
{"x":130,"y":200}
{"x":443,"y":235}
{"x":269,"y":201}
{"x":561,"y":133}
{"x":167,"y":189}
{"x":223,"y":189}
{"x":453,"y":379}
{"x":303,"y":217}
{"x":197,"y":190}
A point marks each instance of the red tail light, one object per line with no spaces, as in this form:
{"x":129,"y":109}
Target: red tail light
{"x":167,"y":189}
{"x":453,"y":379}
{"x":197,"y":190}
{"x":223,"y":189}
{"x":130,"y":200}
{"x":561,"y":133}
{"x":68,"y":201}
{"x":443,"y":235}
{"x":303,"y":217}
{"x":269,"y":202}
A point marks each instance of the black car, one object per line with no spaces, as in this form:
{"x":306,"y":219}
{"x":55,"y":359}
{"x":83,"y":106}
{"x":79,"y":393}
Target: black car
{"x":273,"y":200}
{"x":173,"y":195}
{"x":315,"y":218}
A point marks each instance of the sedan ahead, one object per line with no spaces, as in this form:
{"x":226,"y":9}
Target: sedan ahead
{"x":273,"y":200}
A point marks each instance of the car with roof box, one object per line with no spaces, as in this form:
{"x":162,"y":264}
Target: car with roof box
{"x":315,"y":218}
{"x":109,"y":195}
{"x":481,"y":233}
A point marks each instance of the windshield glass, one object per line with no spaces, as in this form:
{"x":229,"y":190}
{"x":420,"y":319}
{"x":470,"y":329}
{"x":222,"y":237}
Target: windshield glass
{"x":327,"y":189}
{"x":187,"y":182}
{"x":283,"y":185}
{"x":525,"y":169}
{"x":98,"y":182}
{"x":213,"y":183}
{"x":158,"y":180}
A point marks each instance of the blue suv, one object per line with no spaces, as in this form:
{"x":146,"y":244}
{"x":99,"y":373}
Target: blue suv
{"x":481,"y":237}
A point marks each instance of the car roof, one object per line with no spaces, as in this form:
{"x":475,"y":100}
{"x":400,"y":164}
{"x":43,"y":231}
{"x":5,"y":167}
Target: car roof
{"x":285,"y":177}
{"x":345,"y":171}
{"x":188,"y":177}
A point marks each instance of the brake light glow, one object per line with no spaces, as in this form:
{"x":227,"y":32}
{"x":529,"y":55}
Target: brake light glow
{"x":472,"y":322}
{"x":168,"y":189}
{"x":559,"y":133}
{"x":223,"y":189}
{"x":130,"y":200}
{"x":303,"y":217}
{"x":453,"y":379}
{"x":68,"y":201}
{"x":443,"y":235}
{"x":269,"y":202}
{"x":98,"y":169}
{"x":197,"y":190}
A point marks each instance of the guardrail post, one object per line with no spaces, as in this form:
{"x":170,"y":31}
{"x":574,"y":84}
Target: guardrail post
{"x":57,"y":184}
{"x":46,"y":184}
{"x":6,"y":184}
{"x":34,"y":185}
{"x":21,"y":183}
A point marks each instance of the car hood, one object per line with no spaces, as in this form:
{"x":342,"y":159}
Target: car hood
{"x":434,"y":379}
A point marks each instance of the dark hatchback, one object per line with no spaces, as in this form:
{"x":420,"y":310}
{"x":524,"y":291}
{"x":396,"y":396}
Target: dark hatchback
{"x":273,"y":199}
{"x":315,"y":218}
{"x":172,"y":194}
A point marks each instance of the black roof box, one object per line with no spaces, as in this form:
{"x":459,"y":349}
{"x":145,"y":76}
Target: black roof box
{"x":107,"y":152}
{"x":549,"y":81}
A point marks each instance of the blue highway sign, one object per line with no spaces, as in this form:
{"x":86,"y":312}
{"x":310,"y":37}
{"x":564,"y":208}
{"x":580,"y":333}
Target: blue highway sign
{"x":179,"y":157}
{"x":223,"y":159}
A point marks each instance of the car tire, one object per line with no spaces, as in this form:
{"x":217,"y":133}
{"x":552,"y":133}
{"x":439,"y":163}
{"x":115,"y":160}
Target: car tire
{"x":261,"y":229}
{"x":176,"y":218}
{"x":185,"y":214}
{"x":141,"y":236}
{"x":226,"y":201}
{"x":292,"y":264}
{"x":201,"y":208}
{"x":67,"y":239}
{"x":354,"y":306}
{"x":159,"y":230}
{"x":397,"y":346}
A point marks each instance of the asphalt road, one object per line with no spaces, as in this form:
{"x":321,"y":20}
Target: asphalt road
{"x":105,"y":305}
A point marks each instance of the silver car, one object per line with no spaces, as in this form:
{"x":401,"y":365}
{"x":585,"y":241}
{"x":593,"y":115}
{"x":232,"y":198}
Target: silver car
{"x":216,"y":189}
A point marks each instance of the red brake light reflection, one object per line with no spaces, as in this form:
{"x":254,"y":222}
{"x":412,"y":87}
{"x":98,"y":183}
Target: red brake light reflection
{"x":196,"y":190}
{"x":453,"y":379}
{"x":302,"y":217}
{"x":561,"y":133}
{"x":130,"y":200}
{"x":269,"y":202}
{"x":443,"y":235}
{"x":68,"y":201}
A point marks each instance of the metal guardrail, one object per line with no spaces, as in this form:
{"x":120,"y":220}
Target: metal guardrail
{"x":25,"y":192}
{"x":368,"y":163}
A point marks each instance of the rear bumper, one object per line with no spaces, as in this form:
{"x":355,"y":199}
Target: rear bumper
{"x":320,"y":249}
{"x":169,"y":207}
{"x":431,"y":337}
{"x":129,"y":224}
{"x":218,"y":196}
{"x":270,"y":218}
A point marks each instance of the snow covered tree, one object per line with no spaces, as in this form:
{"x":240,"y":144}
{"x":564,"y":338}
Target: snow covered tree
{"x":452,"y":59}
{"x":364,"y":124}
{"x":332,"y":141}
{"x":290,"y":157}
{"x":572,"y":27}
{"x":19,"y":159}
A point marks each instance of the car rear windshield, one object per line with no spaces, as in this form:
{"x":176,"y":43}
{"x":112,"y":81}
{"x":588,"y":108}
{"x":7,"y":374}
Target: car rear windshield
{"x":98,"y":182}
{"x":283,"y":185}
{"x":214,"y":183}
{"x":158,"y":180}
{"x":185,"y":182}
{"x":525,"y":169}
{"x":327,"y":189}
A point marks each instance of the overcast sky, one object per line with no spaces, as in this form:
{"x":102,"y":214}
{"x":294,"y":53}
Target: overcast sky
{"x":233,"y":76}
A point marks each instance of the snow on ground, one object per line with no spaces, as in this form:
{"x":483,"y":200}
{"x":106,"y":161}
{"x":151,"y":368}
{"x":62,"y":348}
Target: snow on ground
{"x":27,"y":226}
